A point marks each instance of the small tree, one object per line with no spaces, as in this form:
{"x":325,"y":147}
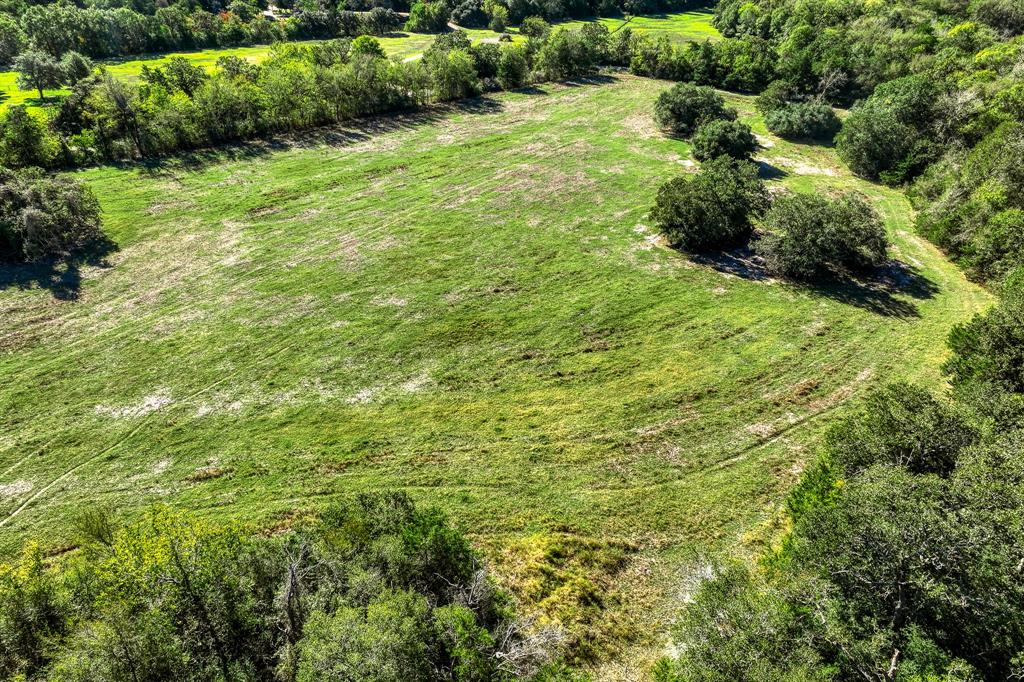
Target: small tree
{"x":452,"y":75}
{"x":25,"y":140}
{"x":381,"y":21}
{"x":811,"y":237}
{"x":534,"y":27}
{"x":499,"y":19}
{"x":724,"y":138}
{"x":711,"y":209}
{"x":75,"y":67}
{"x":45,"y":217}
{"x":12,"y":39}
{"x":513,"y":67}
{"x":38,"y":71}
{"x":684,"y":107}
{"x":367,"y":46}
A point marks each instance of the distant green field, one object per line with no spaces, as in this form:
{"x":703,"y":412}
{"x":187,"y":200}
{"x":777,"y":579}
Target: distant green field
{"x":468,"y":304}
{"x":679,"y":27}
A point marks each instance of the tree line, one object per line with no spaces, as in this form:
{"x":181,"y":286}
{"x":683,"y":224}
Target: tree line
{"x":112,"y":28}
{"x":375,"y":589}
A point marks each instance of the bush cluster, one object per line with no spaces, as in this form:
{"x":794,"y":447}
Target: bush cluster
{"x":810,"y":237}
{"x":804,"y":121}
{"x":685,"y":107}
{"x":723,"y":138}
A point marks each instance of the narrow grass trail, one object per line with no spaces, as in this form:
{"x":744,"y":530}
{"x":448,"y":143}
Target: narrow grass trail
{"x":468,"y":304}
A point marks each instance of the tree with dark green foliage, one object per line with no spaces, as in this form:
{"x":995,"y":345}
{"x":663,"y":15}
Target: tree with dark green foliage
{"x":774,"y":97}
{"x":804,"y":121}
{"x":513,"y":67}
{"x":25,"y":139}
{"x":534,"y":27}
{"x":711,"y":209}
{"x":375,"y":589}
{"x":901,"y":425}
{"x":566,"y":54}
{"x":380,"y":21}
{"x":723,"y":138}
{"x":684,"y":107}
{"x":75,"y":67}
{"x":809,"y":237}
{"x":12,"y":39}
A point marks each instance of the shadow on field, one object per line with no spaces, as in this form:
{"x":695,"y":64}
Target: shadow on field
{"x":62,"y":278}
{"x":767,"y":171}
{"x":884,"y":294}
{"x":340,"y":136}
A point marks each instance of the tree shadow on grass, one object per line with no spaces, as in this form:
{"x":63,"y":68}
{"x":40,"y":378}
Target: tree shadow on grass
{"x":885,"y":293}
{"x":767,"y":171}
{"x":591,"y":79}
{"x":336,"y":136}
{"x":61,"y":277}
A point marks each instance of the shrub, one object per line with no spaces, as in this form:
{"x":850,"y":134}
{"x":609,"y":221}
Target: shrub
{"x":381,"y":21}
{"x":810,"y":237}
{"x":25,"y":140}
{"x":452,"y":75}
{"x":804,"y":121}
{"x":75,"y":67}
{"x":684,"y":107}
{"x":534,"y":27}
{"x":876,"y":144}
{"x":724,"y":138}
{"x":566,"y":54}
{"x":367,"y":46}
{"x":469,"y":13}
{"x":45,"y":217}
{"x":711,"y":209}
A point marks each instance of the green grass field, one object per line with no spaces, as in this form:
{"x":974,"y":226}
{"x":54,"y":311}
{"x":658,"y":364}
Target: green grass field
{"x":467,"y":304}
{"x":679,"y":26}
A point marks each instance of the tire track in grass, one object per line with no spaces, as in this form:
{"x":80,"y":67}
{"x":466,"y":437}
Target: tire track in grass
{"x":131,"y":432}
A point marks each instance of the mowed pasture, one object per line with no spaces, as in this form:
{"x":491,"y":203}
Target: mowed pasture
{"x":691,"y":26}
{"x":468,"y":304}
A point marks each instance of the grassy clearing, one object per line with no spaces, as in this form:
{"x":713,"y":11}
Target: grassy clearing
{"x":680,"y":27}
{"x":468,"y":305}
